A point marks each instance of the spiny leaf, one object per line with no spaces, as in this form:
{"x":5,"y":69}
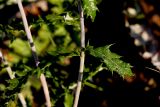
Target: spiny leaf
{"x":102,"y":52}
{"x":111,"y":60}
{"x":90,"y":8}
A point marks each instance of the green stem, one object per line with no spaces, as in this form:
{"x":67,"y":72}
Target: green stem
{"x":93,"y":86}
{"x":99,"y":68}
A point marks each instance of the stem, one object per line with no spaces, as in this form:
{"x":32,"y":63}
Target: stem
{"x":12,"y":76}
{"x":33,"y":49}
{"x":28,"y":32}
{"x":8,"y":68}
{"x":79,"y":82}
{"x":45,"y":89}
{"x":93,"y":73}
{"x":22,"y":100}
{"x":82,"y":56}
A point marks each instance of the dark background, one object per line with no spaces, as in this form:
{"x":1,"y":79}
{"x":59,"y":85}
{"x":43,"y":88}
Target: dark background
{"x":108,"y":28}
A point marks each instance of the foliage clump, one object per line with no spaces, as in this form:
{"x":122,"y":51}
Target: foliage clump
{"x":57,"y":40}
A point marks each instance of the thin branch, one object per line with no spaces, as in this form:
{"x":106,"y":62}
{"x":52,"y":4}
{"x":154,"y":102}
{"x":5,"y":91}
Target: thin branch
{"x":33,"y":49}
{"x":12,"y":76}
{"x":152,"y":69}
{"x":92,"y":74}
{"x":22,"y":100}
{"x":28,"y":32}
{"x":8,"y":68}
{"x":82,"y":56}
{"x":45,"y":89}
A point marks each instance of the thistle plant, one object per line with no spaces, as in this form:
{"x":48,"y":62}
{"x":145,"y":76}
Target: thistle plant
{"x":57,"y":39}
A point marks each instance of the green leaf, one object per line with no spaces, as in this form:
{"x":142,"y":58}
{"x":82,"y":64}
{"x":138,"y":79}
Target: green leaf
{"x":46,"y":70}
{"x":90,"y":8}
{"x":11,"y":104}
{"x":2,"y":87}
{"x":64,"y":52}
{"x":48,"y":74}
{"x":111,"y":60}
{"x":26,"y":70}
{"x":35,"y":83}
{"x":21,"y":47}
{"x":38,"y":71}
{"x":93,"y":86}
{"x":68,"y":101}
{"x":13,"y":83}
{"x":21,"y":73}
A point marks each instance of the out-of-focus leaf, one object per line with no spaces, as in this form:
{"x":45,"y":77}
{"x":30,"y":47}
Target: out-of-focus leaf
{"x":72,"y":21}
{"x":21,"y":73}
{"x":11,"y":104}
{"x":43,"y":39}
{"x":21,"y":47}
{"x":46,"y":70}
{"x":90,"y":8}
{"x":93,"y":86}
{"x":68,"y":100}
{"x":13,"y":83}
{"x":38,"y":72}
{"x":36,"y":84}
{"x":2,"y":87}
{"x":65,"y":53}
{"x":56,"y":2}
{"x":48,"y":74}
{"x":111,"y":60}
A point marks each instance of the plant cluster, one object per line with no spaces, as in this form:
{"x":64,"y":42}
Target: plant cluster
{"x":55,"y":26}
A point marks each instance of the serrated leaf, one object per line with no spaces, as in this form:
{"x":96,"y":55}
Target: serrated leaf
{"x":102,"y":52}
{"x":122,"y":68}
{"x":90,"y":8}
{"x":111,"y":60}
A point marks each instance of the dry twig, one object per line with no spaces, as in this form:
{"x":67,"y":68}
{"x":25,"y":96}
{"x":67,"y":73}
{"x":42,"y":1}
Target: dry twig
{"x":82,"y":56}
{"x":12,"y":76}
{"x":33,"y":49}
